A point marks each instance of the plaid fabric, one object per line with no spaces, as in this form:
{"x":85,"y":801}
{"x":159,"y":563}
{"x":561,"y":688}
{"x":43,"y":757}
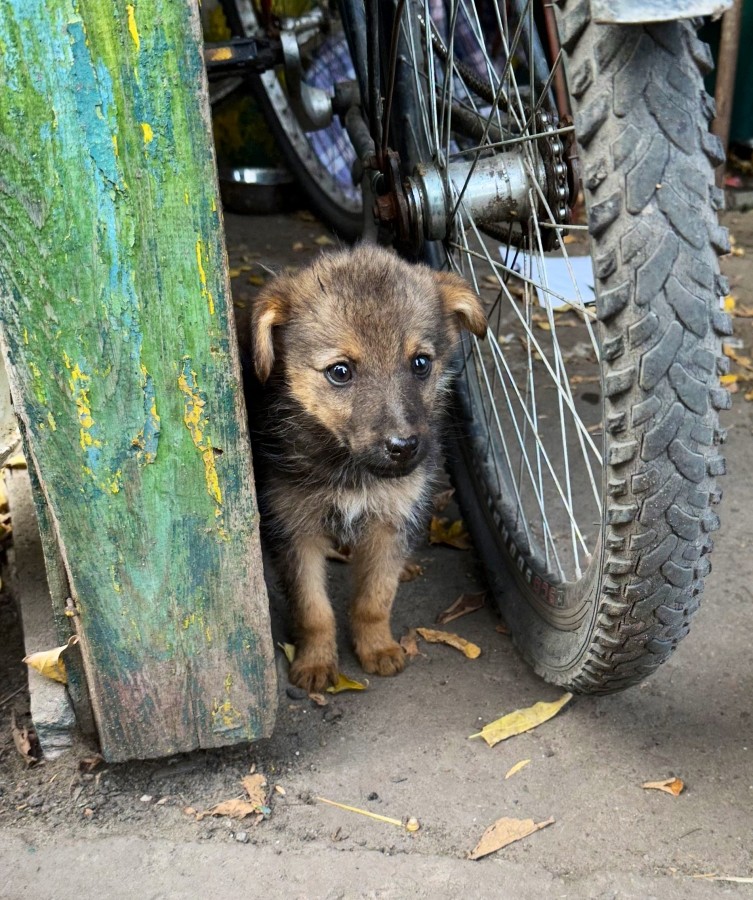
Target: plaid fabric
{"x":332,"y":63}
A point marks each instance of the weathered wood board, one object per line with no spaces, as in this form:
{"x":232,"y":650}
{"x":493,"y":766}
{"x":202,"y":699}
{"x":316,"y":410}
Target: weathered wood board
{"x":116,"y":324}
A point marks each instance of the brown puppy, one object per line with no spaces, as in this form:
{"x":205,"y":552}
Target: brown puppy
{"x":354,"y":355}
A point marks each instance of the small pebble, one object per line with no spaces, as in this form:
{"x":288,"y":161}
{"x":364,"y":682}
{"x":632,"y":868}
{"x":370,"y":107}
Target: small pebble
{"x":332,"y":714}
{"x":241,"y":837}
{"x":296,"y":693}
{"x":146,"y":798}
{"x":373,"y":796}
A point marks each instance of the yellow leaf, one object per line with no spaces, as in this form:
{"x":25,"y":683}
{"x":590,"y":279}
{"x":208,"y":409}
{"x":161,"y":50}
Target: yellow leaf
{"x":516,"y":768}
{"x":452,"y":640}
{"x":16,"y":462}
{"x":50,"y":663}
{"x":442,"y":531}
{"x":672,"y":786}
{"x":345,"y":684}
{"x":568,"y":239}
{"x":729,"y":303}
{"x":504,"y":832}
{"x":521,"y":720}
{"x":289,"y":651}
{"x":729,"y":379}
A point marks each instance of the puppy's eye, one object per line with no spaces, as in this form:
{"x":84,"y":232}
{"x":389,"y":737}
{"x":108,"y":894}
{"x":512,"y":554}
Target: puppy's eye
{"x":339,"y":374}
{"x":421,"y":365}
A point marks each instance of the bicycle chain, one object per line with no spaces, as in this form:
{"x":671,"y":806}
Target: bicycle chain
{"x":559,"y":194}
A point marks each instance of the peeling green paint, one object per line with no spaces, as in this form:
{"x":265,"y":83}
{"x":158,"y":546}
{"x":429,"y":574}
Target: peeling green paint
{"x":115,"y":313}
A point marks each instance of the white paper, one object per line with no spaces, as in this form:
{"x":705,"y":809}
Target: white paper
{"x":555,"y":286}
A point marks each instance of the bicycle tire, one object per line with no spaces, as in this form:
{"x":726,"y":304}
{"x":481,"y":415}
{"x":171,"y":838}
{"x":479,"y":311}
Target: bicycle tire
{"x":648,"y":163}
{"x":336,"y":208}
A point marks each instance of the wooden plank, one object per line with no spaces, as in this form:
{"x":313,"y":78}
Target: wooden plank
{"x":115,"y":323}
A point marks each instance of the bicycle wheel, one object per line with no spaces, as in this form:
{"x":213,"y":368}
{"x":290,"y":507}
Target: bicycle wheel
{"x":584,"y":439}
{"x":320,"y":160}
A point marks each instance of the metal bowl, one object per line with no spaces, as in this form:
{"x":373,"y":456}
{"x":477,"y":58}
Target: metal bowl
{"x":256,"y":191}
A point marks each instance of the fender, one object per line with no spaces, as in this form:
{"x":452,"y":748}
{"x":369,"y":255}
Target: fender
{"x":638,"y":12}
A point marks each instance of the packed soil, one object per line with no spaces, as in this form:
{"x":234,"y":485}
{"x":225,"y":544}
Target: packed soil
{"x":401,"y":747}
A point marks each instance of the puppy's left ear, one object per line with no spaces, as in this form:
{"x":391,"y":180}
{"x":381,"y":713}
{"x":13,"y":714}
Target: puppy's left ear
{"x":458,"y":299}
{"x":270,"y":309}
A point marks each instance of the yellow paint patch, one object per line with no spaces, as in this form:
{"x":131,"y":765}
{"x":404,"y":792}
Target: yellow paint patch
{"x":51,"y":421}
{"x":205,"y":292}
{"x":185,"y":197}
{"x":132,"y":29}
{"x":79,"y":384}
{"x":196,"y":423}
{"x":148,"y":133}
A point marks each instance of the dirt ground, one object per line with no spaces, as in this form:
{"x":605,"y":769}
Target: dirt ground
{"x":401,"y":748}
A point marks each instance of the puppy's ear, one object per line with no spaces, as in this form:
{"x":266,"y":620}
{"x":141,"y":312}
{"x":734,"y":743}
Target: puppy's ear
{"x":271,"y":308}
{"x":458,"y":299}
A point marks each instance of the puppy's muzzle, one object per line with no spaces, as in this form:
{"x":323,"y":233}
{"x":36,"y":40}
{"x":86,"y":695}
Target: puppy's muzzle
{"x":402,"y":450}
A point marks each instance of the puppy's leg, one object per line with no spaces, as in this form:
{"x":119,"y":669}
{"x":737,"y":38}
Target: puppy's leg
{"x":315,"y":663}
{"x":378,"y":563}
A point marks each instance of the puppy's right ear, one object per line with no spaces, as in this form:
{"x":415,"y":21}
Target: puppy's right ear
{"x":270,"y":308}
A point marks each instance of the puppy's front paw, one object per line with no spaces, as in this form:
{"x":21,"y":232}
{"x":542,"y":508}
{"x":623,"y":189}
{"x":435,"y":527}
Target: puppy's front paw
{"x":313,"y":673}
{"x":385,"y":660}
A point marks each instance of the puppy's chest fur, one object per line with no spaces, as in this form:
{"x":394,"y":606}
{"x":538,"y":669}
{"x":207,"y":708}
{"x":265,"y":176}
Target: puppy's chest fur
{"x":343,"y":512}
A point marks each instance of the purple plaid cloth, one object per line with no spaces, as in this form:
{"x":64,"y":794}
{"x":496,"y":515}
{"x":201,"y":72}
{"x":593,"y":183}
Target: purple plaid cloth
{"x":332,"y":63}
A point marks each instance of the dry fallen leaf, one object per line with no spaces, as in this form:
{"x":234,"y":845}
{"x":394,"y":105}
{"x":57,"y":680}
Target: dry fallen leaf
{"x":472,"y":651}
{"x":345,"y":684}
{"x":409,"y":643}
{"x":340,"y":554}
{"x":504,"y":832}
{"x":465,"y":604}
{"x":411,"y":824}
{"x":90,"y":763}
{"x":442,"y":500}
{"x":279,"y":789}
{"x":521,"y":720}
{"x":288,"y":650}
{"x":410,"y":571}
{"x":672,"y":786}
{"x":255,"y":786}
{"x":743,"y":312}
{"x":582,"y":379}
{"x":319,"y":699}
{"x":516,"y":768}
{"x":442,"y":531}
{"x":233,"y":809}
{"x":24,"y":738}
{"x":749,"y":395}
{"x":50,"y":662}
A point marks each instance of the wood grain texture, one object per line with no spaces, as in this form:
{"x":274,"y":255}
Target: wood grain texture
{"x":115,"y":323}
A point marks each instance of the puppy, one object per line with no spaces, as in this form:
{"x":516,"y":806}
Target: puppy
{"x":354,"y":354}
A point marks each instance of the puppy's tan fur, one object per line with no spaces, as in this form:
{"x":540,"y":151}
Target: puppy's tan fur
{"x":328,"y":470}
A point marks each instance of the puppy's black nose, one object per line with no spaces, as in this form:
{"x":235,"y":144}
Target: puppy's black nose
{"x":402,"y":449}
